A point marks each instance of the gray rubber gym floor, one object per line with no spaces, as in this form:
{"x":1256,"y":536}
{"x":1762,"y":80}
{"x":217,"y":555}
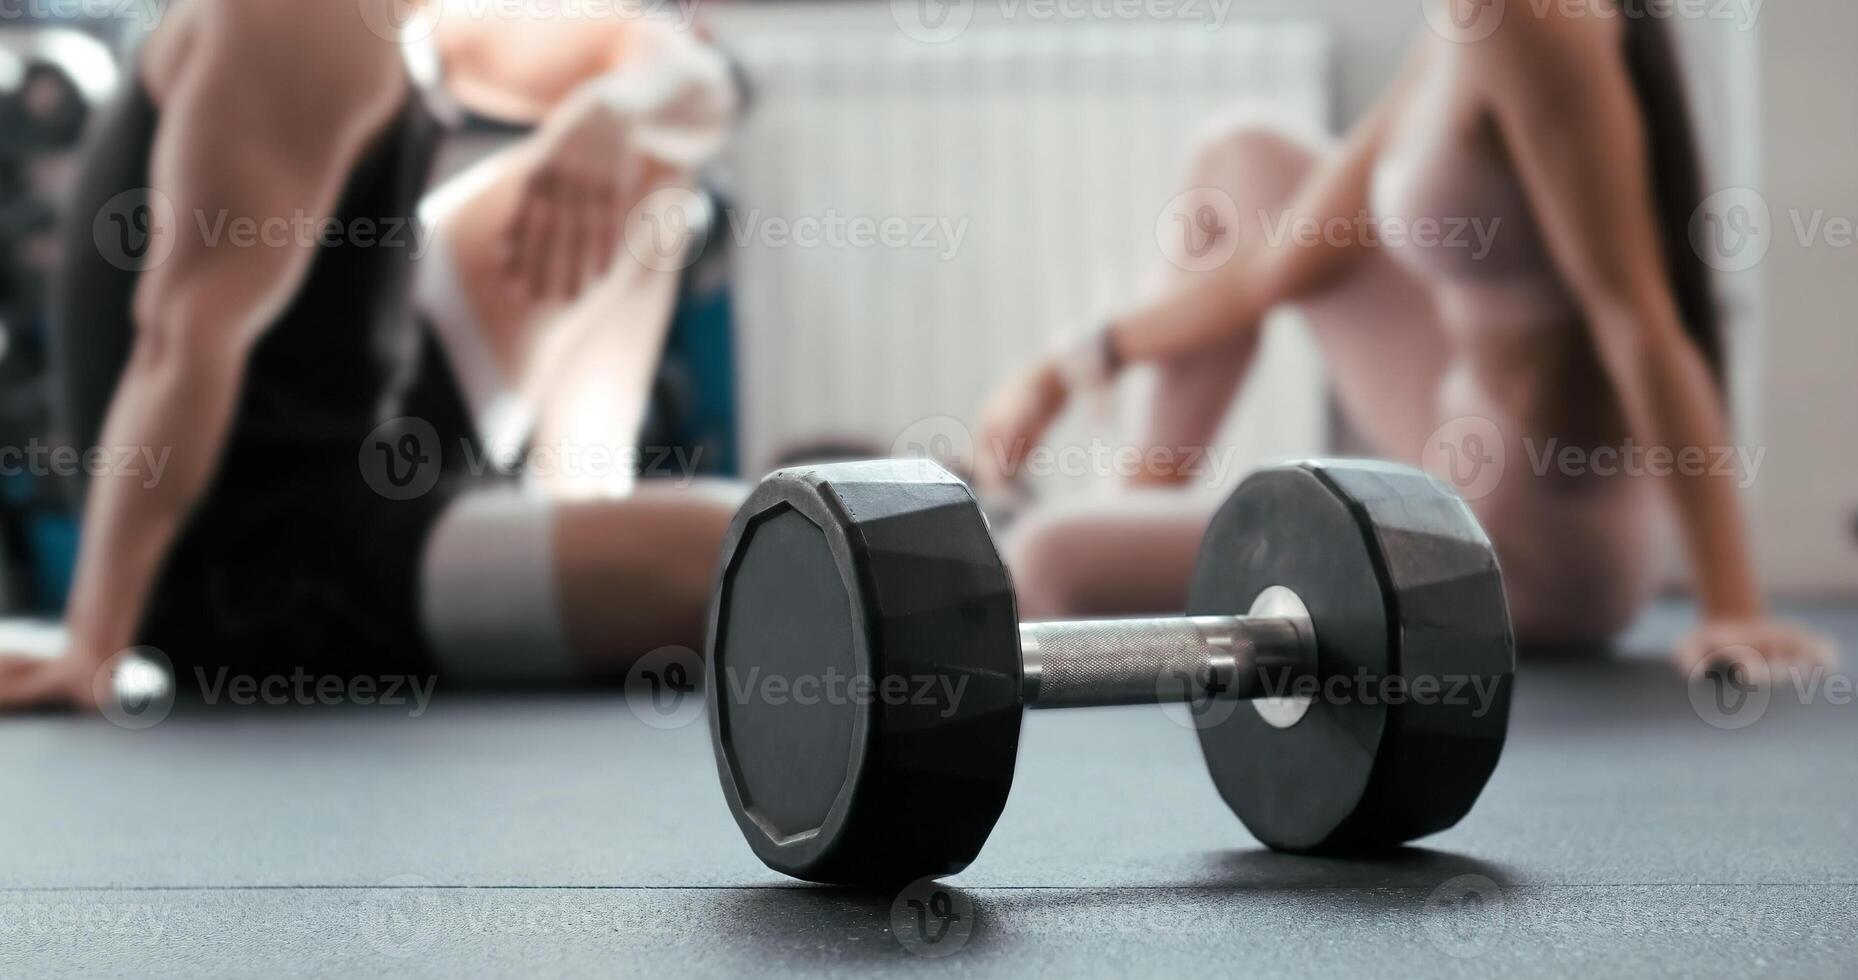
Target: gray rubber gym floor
{"x":1623,"y":835}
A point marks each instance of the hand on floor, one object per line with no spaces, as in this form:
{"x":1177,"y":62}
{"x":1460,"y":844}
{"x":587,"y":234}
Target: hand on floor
{"x":1756,"y":648}
{"x":28,"y":682}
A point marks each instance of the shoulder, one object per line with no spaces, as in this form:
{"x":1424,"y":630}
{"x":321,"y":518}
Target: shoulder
{"x":328,"y":49}
{"x":1559,"y":33}
{"x":1552,"y":52}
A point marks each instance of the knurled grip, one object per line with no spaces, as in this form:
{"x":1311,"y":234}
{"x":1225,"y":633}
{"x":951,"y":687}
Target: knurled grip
{"x":1138,"y":661}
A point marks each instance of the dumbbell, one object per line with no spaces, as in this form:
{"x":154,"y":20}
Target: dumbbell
{"x":1346,"y":655}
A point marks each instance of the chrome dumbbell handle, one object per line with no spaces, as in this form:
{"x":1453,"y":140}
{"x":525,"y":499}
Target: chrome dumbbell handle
{"x":1150,"y":661}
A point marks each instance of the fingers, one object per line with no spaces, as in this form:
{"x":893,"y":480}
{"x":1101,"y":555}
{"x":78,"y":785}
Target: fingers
{"x":1010,"y":428}
{"x":541,"y":240}
{"x":16,"y":680}
{"x":989,"y":469}
{"x":517,"y":250}
{"x":603,"y":226}
{"x":581,"y":266}
{"x":564,"y":235}
{"x":1787,"y":646}
{"x":1821,"y":651}
{"x":11,"y":663}
{"x":1744,"y":664}
{"x":1689,"y":653}
{"x":1753,"y":652}
{"x":29,"y":682}
{"x":994,"y":458}
{"x":532,"y":235}
{"x":1702,"y":653}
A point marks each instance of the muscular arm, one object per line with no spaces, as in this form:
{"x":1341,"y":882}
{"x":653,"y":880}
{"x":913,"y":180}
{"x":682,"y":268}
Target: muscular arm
{"x":262,"y":116}
{"x":1565,"y":107}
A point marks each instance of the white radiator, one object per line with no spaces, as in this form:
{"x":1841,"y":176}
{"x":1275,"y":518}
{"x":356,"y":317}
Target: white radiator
{"x":1020,"y":170}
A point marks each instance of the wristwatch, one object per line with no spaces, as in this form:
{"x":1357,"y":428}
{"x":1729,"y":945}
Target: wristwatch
{"x":1092,"y":364}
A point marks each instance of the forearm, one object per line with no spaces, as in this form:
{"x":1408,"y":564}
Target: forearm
{"x":1673,"y":405}
{"x":1198,"y":315}
{"x":177,"y":413}
{"x":1214,"y":311}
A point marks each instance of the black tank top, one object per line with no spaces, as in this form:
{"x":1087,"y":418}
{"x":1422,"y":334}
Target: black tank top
{"x":333,"y":365}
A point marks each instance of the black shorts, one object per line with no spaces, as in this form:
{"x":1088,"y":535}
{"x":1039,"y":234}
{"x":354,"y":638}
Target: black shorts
{"x":302,"y":563}
{"x":324,"y":578}
{"x":290,"y":566}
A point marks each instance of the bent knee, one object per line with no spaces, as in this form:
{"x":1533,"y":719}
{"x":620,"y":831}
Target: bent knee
{"x":1256,"y":154}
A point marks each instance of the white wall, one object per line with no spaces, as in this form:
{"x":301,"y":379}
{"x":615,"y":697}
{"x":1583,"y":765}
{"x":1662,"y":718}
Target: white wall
{"x":1807,"y":398}
{"x":1055,"y":148}
{"x":1371,"y":39}
{"x":1777,"y":109}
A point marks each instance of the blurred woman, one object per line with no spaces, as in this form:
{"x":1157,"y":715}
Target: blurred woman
{"x":1587,"y":322}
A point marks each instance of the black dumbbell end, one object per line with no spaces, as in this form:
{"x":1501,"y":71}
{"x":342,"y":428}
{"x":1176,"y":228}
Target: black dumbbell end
{"x":864,"y":673}
{"x":1409,"y":703}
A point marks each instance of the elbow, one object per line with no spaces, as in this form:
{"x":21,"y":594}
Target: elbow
{"x":176,"y":389}
{"x":1259,"y":279}
{"x":1634,"y":329}
{"x":157,"y":350}
{"x":168,"y":365}
{"x":1651,"y":360}
{"x":184,"y":342}
{"x":1622,"y":342}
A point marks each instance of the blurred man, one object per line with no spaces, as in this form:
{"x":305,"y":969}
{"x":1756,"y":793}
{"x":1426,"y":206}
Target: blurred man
{"x":265,"y":367}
